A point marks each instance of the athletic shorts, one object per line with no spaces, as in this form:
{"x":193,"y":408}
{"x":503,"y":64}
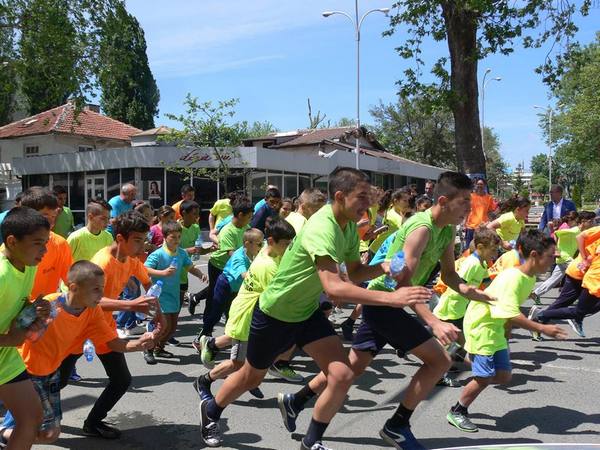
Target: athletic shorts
{"x":239,"y":349}
{"x":21,"y":377}
{"x":48,"y":389}
{"x":383,"y":325}
{"x":486,"y":366}
{"x":324,"y":303}
{"x":270,"y":337}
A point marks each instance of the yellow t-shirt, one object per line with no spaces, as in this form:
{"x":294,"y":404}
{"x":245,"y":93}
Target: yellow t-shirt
{"x":510,"y":226}
{"x":296,"y":220}
{"x":221,"y":209}
{"x":84,"y":244}
{"x":393,"y":220}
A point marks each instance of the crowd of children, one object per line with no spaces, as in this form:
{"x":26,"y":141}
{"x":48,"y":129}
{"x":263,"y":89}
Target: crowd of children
{"x":276,"y":270}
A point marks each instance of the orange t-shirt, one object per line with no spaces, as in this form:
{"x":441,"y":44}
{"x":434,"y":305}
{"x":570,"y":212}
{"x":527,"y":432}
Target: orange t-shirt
{"x":54,"y":266}
{"x":65,"y":335}
{"x":176,"y":207}
{"x":481,"y":206}
{"x":508,"y":260}
{"x":116,"y":276}
{"x":590,"y":236}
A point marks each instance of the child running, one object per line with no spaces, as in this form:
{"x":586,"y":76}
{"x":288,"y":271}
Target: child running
{"x":425,"y":239}
{"x":512,"y":221}
{"x":309,"y":202}
{"x":165,"y":215}
{"x":288,"y":311}
{"x":279,"y":234}
{"x":88,"y":240}
{"x":486,"y":326}
{"x":25,"y":234}
{"x":77,"y":315}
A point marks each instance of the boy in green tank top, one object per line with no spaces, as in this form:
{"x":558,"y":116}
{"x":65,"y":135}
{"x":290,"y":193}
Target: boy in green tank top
{"x":288,"y":310}
{"x":426,"y":238}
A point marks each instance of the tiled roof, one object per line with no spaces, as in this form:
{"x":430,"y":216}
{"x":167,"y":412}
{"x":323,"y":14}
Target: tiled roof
{"x":161,"y":129}
{"x":63,"y":119}
{"x":342,"y":135}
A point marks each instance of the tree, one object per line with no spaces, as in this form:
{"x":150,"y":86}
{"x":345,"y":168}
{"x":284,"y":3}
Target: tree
{"x":474,"y":29}
{"x":49,"y":52}
{"x":539,"y":165}
{"x":259,"y":129}
{"x":413,"y":130}
{"x":129,"y":91}
{"x":497,"y":167}
{"x":8,"y":76}
{"x":539,"y":183}
{"x":591,"y":190}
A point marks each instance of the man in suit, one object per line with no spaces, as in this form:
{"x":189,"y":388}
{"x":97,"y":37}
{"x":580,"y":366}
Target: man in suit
{"x":556,"y":208}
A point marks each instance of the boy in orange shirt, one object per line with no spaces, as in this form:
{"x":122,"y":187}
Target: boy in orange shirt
{"x":78,"y":316}
{"x":58,"y":258}
{"x":118,"y":263}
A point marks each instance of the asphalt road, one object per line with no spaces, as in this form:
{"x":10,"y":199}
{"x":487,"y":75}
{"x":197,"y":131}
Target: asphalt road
{"x":553,"y":398}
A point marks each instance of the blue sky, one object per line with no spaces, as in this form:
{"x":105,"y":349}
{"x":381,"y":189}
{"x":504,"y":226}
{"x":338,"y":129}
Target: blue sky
{"x":273,"y":55}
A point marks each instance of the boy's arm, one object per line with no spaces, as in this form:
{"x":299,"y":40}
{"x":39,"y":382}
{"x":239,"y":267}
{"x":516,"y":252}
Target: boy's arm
{"x":549,"y":330}
{"x":455,"y":282}
{"x":145,"y":342}
{"x":14,"y":337}
{"x":342,"y":292}
{"x":197,"y":272}
{"x":585,"y":255}
{"x":212,"y":222}
{"x":161,"y":273}
{"x":140,"y":304}
{"x":358,"y":272}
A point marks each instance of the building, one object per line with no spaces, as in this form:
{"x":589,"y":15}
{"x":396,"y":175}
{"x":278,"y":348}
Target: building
{"x":293,"y":161}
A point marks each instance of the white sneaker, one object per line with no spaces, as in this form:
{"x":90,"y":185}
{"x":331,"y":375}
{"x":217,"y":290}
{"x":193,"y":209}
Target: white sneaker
{"x":121,"y":333}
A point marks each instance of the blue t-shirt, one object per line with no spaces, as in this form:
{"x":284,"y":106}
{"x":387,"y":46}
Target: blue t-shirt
{"x":224,"y":222}
{"x":2,"y":217}
{"x":238,"y":264}
{"x":379,"y":257}
{"x":161,"y":259}
{"x":119,"y":206}
{"x":260,"y":217}
{"x":259,"y":204}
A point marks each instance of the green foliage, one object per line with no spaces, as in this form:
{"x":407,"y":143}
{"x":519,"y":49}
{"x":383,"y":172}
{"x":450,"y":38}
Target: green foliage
{"x":539,"y":165}
{"x":577,"y":195}
{"x":8,"y":75}
{"x":497,"y":167}
{"x":129,"y":91}
{"x":539,"y":183}
{"x":591,"y":191}
{"x":345,"y":122}
{"x":411,"y":128}
{"x":259,"y":129}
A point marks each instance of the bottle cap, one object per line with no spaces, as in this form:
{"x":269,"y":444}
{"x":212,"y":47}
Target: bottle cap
{"x":159,"y":283}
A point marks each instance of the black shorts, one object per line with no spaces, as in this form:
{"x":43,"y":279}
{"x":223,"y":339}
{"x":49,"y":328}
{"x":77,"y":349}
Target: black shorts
{"x":383,"y":325}
{"x":270,"y":337}
{"x":21,"y":377}
{"x":458,"y":323}
{"x":183,"y":287}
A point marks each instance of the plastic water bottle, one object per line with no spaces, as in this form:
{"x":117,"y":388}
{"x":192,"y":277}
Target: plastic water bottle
{"x":27,"y":316}
{"x":89,"y":350}
{"x":513,"y":243}
{"x":198,"y":247}
{"x":396,"y":267}
{"x":174,"y":262}
{"x":154,"y":291}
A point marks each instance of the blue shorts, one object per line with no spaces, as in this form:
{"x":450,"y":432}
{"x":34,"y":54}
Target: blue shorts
{"x":48,"y":389}
{"x":270,"y":337}
{"x":486,"y":366}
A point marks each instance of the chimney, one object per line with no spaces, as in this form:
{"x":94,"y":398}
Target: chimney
{"x":92,"y":107}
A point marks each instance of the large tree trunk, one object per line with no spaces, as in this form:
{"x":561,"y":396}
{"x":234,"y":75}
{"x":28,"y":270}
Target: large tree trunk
{"x":461,"y":27}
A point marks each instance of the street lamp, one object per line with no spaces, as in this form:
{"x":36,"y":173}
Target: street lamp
{"x":483,"y":85}
{"x":357,"y":23}
{"x":549,"y":112}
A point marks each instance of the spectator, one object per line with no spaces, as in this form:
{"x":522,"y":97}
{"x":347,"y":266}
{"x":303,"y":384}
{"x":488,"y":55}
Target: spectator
{"x":121,"y":203}
{"x":429,"y":190}
{"x":64,"y":221}
{"x":262,"y":201}
{"x":482,"y":204}
{"x":187,"y":193}
{"x":269,"y":209}
{"x":556,"y":208}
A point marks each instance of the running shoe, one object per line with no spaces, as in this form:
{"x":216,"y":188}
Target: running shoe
{"x":162,"y":353}
{"x":174,"y":342}
{"x":101,"y":430}
{"x":577,"y":327}
{"x":202,"y":389}
{"x":75,"y":377}
{"x":209,"y":429}
{"x":448,"y":382}
{"x":207,"y":356}
{"x":400,"y":437}
{"x":316,"y":446}
{"x":285,"y":372}
{"x":149,"y":357}
{"x":256,"y":392}
{"x":192,"y":303}
{"x":533,"y":313}
{"x":461,"y":421}
{"x":536,"y":298}
{"x":289,"y":413}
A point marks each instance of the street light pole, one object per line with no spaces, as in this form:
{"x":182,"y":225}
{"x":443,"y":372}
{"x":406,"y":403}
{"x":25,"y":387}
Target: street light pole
{"x":483,"y":85}
{"x":357,"y":23}
{"x":550,"y":113}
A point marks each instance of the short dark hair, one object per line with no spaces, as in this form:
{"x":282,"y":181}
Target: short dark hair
{"x":130,"y":222}
{"x":170,"y":228}
{"x":188,"y":206}
{"x":585,"y":216}
{"x":423,"y":199}
{"x":272,"y":193}
{"x":530,"y":240}
{"x":449,"y":183}
{"x":486,"y":237}
{"x":165,"y":210}
{"x":97,"y":206}
{"x":187,"y":188}
{"x":556,"y":187}
{"x":58,"y":190}
{"x":279,"y":229}
{"x":513,"y":203}
{"x":241,"y":205}
{"x":22,"y":221}
{"x":83,"y":271}
{"x":345,"y":179}
{"x":38,"y":198}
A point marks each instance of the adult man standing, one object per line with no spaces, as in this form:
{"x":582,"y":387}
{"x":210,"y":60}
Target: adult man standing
{"x":482,"y":204}
{"x":121,"y":203}
{"x":429,"y":190}
{"x":556,"y":208}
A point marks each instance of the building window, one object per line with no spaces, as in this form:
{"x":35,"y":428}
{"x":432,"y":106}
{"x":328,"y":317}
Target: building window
{"x":85,"y":148}
{"x":31,"y":150}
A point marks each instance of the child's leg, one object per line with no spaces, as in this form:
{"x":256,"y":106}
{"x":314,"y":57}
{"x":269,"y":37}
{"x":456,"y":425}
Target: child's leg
{"x":21,"y":399}
{"x":220,"y":299}
{"x":170,"y":318}
{"x":223,"y":341}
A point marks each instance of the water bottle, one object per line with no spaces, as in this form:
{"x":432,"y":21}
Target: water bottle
{"x":27,"y":316}
{"x":149,"y":236}
{"x":198,"y":246}
{"x":89,"y":350}
{"x":174,"y":262}
{"x":513,"y":243}
{"x":154,"y":291}
{"x":396,"y":267}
